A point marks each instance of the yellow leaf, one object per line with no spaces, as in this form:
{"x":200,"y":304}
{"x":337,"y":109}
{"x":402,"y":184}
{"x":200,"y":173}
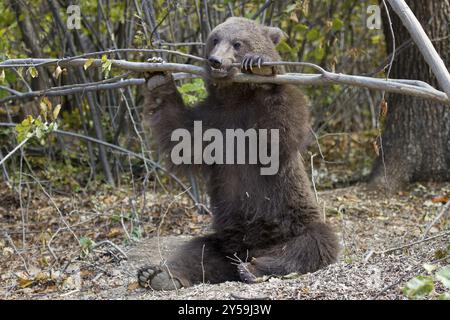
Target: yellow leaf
{"x":24,"y":282}
{"x":376,"y":148}
{"x":56,"y":111}
{"x":2,"y":76}
{"x":114,"y":232}
{"x":46,"y":107}
{"x":383,"y":109}
{"x":133,"y":286}
{"x":43,"y":106}
{"x":88,"y":63}
{"x":33,"y":72}
{"x":441,"y":199}
{"x":42,"y":276}
{"x":57,"y":72}
{"x":294,"y":17}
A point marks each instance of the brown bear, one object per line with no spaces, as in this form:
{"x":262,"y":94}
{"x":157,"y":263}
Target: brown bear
{"x":262,"y":224}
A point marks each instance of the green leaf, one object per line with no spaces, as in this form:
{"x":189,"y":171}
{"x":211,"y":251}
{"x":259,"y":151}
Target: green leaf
{"x":86,"y":244}
{"x":376,"y":39}
{"x":319,"y":53}
{"x":33,"y":72}
{"x":24,"y":129}
{"x":338,"y":24}
{"x":89,"y":62}
{"x":443,"y":276}
{"x":52,"y":127}
{"x":300,"y":27}
{"x":291,"y":7}
{"x":313,"y":34}
{"x":106,"y":67}
{"x":419,"y":287}
{"x":283,"y":47}
{"x":193,"y":91}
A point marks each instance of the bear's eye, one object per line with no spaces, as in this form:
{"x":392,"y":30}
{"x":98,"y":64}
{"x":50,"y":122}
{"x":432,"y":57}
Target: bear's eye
{"x":215,"y":41}
{"x":237,"y":45}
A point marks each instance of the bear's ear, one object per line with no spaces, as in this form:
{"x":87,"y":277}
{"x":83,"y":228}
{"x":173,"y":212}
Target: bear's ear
{"x":275,"y":34}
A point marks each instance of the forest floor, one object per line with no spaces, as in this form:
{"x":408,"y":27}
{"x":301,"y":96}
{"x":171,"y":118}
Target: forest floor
{"x":99,"y":249}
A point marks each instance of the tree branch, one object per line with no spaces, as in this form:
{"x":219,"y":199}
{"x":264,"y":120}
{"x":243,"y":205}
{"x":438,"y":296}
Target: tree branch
{"x":423,"y":42}
{"x":407,"y":87}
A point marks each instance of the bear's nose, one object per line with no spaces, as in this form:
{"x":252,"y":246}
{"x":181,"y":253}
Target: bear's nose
{"x":214,"y":62}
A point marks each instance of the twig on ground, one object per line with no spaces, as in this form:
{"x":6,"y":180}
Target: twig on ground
{"x":412,"y":243}
{"x":411,"y":274}
{"x":443,"y":213}
{"x":112,"y":244}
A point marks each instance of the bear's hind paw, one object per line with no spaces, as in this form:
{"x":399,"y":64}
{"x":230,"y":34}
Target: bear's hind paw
{"x":246,"y":274}
{"x":153,"y":277}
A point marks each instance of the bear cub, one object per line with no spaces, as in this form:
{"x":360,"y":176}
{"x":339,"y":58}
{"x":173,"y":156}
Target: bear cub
{"x":262,"y":224}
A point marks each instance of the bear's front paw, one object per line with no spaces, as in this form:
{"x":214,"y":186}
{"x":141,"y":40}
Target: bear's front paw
{"x":156,"y":278}
{"x":251,"y":60}
{"x":155,"y":80}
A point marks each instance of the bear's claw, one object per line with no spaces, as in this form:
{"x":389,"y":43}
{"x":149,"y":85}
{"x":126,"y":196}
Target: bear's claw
{"x":250,"y":61}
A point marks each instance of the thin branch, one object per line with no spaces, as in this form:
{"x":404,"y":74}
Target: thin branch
{"x":68,"y":90}
{"x":20,"y":145}
{"x":262,"y":9}
{"x":112,"y":244}
{"x":7,"y":236}
{"x":177,"y":44}
{"x":127,"y":50}
{"x":85,"y":87}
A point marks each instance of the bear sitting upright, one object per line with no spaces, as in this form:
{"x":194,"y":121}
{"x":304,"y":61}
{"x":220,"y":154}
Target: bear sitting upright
{"x":263,"y":224}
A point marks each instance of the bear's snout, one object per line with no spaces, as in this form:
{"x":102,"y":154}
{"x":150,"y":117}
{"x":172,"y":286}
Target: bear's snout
{"x":215,"y":62}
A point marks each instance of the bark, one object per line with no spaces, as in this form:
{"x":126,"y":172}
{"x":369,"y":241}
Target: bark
{"x":415,"y":139}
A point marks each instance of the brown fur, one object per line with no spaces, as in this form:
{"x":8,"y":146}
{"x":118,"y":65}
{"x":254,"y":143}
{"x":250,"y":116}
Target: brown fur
{"x":272,"y":222}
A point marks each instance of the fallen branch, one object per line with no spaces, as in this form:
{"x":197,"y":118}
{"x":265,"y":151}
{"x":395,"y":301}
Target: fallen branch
{"x":407,"y":87}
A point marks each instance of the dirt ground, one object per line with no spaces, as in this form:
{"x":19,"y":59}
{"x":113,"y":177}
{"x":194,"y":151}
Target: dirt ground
{"x":380,"y":236}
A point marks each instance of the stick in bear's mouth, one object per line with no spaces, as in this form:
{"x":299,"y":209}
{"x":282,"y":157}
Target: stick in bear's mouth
{"x":219,"y":73}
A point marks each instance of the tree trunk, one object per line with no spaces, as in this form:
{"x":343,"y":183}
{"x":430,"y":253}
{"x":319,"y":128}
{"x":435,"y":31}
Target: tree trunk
{"x":416,"y":136}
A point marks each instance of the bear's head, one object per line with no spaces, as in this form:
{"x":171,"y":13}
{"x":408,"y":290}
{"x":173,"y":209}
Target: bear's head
{"x":230,"y":41}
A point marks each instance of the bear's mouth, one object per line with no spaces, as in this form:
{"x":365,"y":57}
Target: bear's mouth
{"x":221,"y":73}
{"x":218,"y":72}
